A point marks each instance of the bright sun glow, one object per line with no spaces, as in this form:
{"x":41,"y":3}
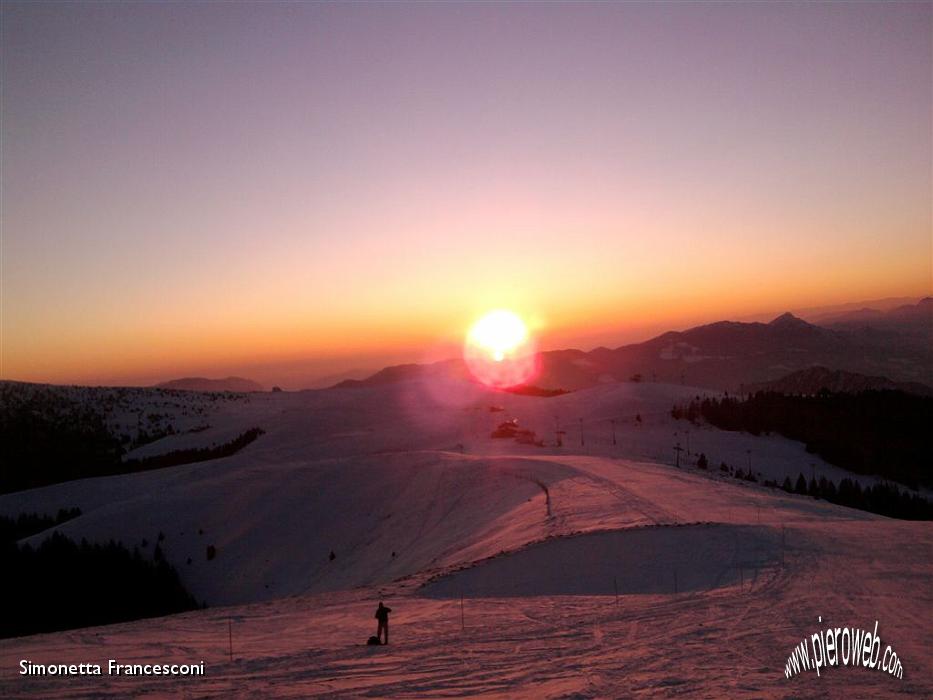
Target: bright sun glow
{"x":499,"y":333}
{"x":499,"y":350}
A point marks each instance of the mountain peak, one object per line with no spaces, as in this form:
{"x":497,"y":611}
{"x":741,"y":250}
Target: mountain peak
{"x":788,"y":320}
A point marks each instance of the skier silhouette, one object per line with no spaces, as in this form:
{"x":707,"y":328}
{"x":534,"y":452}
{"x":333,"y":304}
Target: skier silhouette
{"x":382,"y":614}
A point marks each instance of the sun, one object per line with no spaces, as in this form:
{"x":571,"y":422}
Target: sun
{"x":499,"y":333}
{"x":499,"y":350}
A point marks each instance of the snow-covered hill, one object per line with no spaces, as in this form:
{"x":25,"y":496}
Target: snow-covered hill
{"x":717,"y":579}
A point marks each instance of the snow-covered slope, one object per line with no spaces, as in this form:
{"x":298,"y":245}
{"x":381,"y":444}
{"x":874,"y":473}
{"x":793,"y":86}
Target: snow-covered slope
{"x":717,"y":579}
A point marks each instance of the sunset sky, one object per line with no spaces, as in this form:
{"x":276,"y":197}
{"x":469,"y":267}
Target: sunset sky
{"x":286,"y":190}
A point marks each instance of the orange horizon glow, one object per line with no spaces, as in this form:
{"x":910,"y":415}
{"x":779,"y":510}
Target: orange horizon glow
{"x":145,"y":358}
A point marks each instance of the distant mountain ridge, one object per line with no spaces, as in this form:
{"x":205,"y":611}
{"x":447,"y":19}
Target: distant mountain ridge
{"x":920,"y":312}
{"x":728,"y":355}
{"x":237,"y":384}
{"x":814,"y":379}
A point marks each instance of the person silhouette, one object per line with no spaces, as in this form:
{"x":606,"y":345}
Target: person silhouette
{"x":382,"y":614}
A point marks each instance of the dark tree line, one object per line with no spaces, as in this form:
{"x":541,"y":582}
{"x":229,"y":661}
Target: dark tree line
{"x":46,"y":438}
{"x":884,"y":433}
{"x":194,"y":454}
{"x":27,"y":524}
{"x":529,"y":390}
{"x":884,"y":498}
{"x":62,"y":584}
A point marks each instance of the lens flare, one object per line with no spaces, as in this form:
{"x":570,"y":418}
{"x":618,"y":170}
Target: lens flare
{"x":499,"y":350}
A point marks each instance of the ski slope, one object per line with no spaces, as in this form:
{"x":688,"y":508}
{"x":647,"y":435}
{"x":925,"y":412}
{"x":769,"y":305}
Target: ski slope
{"x":588,"y":570}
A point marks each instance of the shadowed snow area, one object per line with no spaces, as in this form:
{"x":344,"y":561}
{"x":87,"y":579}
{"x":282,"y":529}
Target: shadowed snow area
{"x":667,"y":559}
